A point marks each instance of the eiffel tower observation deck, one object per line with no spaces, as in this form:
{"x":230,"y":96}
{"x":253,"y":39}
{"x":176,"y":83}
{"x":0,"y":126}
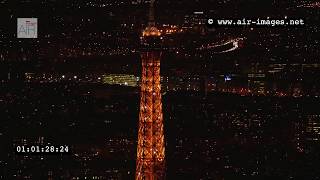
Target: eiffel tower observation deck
{"x":151,"y":38}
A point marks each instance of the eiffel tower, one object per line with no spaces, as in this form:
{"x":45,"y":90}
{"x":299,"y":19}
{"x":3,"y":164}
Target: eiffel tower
{"x":150,"y":164}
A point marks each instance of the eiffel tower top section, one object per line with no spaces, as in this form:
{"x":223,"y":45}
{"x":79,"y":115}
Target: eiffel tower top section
{"x":151,"y":29}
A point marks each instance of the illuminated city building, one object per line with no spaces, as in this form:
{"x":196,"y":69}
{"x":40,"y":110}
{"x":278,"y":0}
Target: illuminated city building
{"x":195,"y":19}
{"x":256,"y":80}
{"x":121,"y":79}
{"x":313,"y":128}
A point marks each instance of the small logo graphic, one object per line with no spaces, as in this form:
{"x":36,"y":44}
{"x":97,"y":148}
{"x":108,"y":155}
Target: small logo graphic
{"x":27,"y":27}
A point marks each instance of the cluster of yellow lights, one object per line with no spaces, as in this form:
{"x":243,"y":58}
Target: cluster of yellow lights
{"x":151,"y":31}
{"x":121,"y":79}
{"x":171,"y":29}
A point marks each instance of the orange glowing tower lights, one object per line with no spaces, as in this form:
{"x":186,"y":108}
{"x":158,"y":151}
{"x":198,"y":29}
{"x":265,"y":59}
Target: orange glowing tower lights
{"x":150,"y":164}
